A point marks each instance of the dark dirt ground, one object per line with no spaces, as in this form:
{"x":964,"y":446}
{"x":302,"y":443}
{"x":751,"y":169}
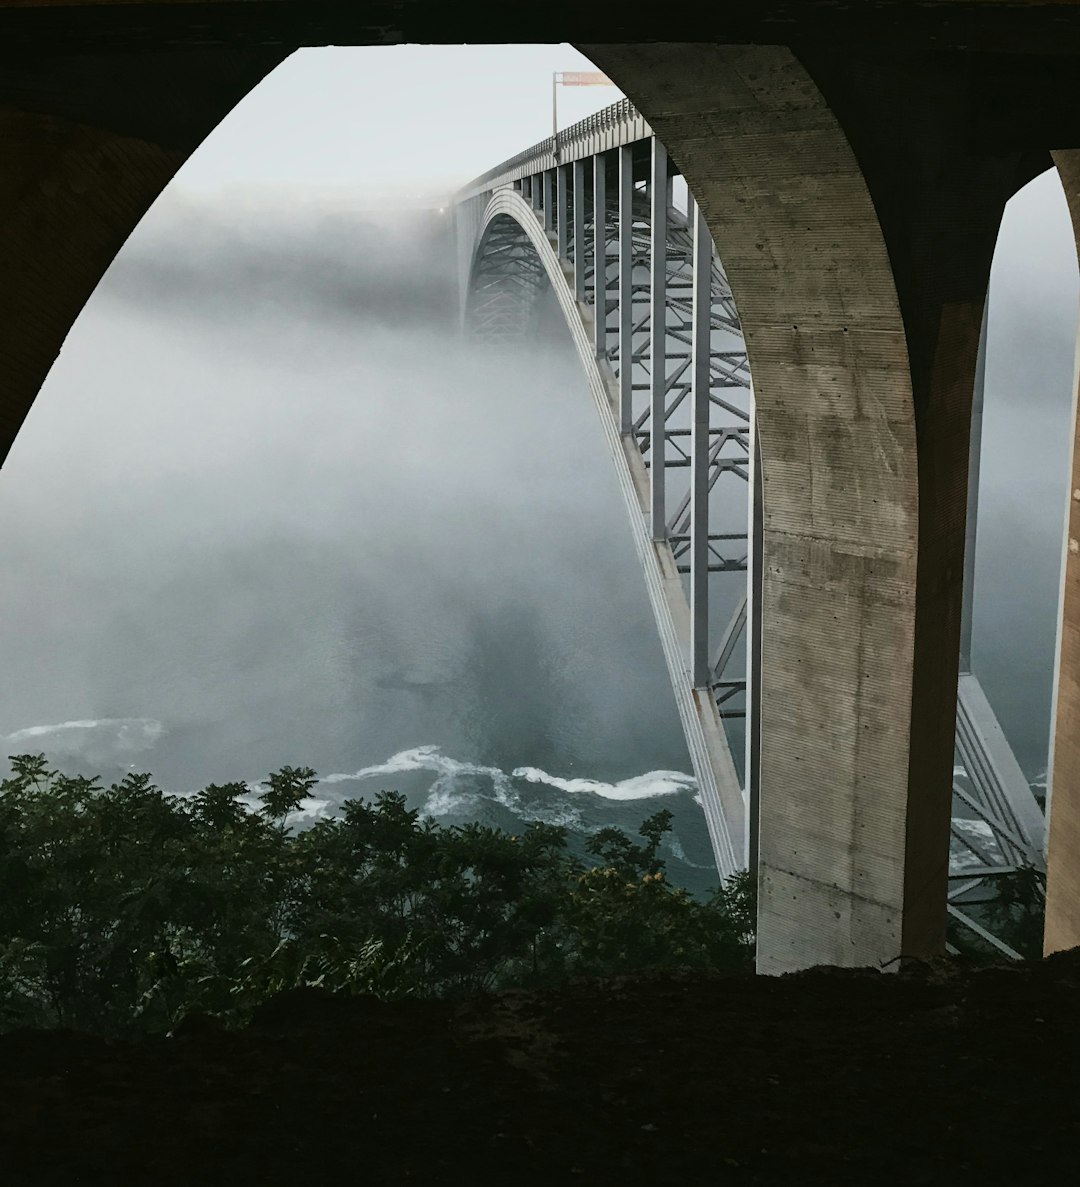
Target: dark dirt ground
{"x":939,"y":1074}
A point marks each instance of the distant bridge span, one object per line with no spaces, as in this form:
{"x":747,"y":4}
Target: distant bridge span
{"x":702,"y":675}
{"x":851,"y":162}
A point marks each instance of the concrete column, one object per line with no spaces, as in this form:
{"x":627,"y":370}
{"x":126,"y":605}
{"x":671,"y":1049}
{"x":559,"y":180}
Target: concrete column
{"x":86,"y":145}
{"x":857,"y":231}
{"x":1063,"y":852}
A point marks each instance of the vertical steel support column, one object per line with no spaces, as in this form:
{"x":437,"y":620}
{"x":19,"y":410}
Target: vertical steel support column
{"x":600,"y":254}
{"x":579,"y":230}
{"x":626,"y":290}
{"x":699,"y":452}
{"x":534,"y":190}
{"x":658,"y":196}
{"x":549,"y":209}
{"x":564,"y":212}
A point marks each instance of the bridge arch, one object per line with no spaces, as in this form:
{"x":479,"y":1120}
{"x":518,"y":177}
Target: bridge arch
{"x":513,"y":258}
{"x":507,"y":280}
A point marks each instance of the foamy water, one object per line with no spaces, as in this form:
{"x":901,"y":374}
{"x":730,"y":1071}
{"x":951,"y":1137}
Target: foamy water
{"x":454,"y":788}
{"x":640,"y":787}
{"x":106,"y":740}
{"x":457,"y":787}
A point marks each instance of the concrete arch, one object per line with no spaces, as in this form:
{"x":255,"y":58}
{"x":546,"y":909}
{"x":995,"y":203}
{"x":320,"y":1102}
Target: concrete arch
{"x":793,"y":221}
{"x":857,"y":220}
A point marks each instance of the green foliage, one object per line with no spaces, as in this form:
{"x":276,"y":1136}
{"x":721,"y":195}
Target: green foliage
{"x":122,"y":908}
{"x":618,"y":852}
{"x":286,"y":790}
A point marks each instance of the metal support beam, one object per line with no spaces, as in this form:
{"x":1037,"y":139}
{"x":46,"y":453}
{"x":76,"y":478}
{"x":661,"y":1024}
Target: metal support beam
{"x":966,"y":920}
{"x":600,"y":254}
{"x":1001,"y":786}
{"x":730,"y":638}
{"x":563,"y":172}
{"x":534,"y":191}
{"x":579,"y":230}
{"x":626,"y":279}
{"x":701,"y":342}
{"x":658,"y":194}
{"x":502,"y":304}
{"x":549,"y":205}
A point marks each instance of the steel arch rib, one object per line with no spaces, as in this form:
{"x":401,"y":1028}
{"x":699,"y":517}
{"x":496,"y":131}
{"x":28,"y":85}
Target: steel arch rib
{"x":722,"y":797}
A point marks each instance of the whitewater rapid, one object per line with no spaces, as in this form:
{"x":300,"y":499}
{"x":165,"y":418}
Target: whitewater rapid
{"x":454,"y":787}
{"x":457,"y":786}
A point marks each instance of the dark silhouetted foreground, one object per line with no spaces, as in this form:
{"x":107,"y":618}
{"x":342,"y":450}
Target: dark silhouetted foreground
{"x":938,"y":1075}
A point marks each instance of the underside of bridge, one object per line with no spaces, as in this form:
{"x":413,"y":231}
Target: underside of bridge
{"x":852,"y":161}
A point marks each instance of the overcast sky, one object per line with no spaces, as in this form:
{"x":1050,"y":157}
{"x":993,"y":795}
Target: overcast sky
{"x":403,"y":120}
{"x":268,"y":507}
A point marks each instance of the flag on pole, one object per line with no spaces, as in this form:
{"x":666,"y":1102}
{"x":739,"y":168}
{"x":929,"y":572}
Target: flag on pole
{"x":582,"y":78}
{"x":571,"y":78}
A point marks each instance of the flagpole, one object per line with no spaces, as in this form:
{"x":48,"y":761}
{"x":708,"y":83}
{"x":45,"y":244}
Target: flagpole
{"x":555,"y":116}
{"x":570,"y":78}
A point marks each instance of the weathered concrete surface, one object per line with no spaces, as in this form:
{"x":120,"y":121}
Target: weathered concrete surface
{"x":857,"y":231}
{"x":1063,"y":854}
{"x":854,"y":185}
{"x":796,"y":229}
{"x":939,"y":191}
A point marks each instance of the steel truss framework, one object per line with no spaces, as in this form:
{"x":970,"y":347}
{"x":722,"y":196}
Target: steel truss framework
{"x":654,"y":321}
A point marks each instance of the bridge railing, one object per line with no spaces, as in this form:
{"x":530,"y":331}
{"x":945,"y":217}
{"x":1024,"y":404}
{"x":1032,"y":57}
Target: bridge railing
{"x":621,"y":123}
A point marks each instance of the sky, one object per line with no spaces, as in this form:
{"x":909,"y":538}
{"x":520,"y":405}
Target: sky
{"x":1027,"y":433}
{"x":269,"y":509}
{"x":409,"y":121}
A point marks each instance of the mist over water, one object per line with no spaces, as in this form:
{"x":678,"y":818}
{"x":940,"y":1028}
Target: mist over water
{"x":271,"y":508}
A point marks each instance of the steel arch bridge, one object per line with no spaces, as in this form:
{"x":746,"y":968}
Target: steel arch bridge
{"x":593,"y":217}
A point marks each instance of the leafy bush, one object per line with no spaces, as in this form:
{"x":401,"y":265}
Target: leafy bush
{"x":122,"y":909}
